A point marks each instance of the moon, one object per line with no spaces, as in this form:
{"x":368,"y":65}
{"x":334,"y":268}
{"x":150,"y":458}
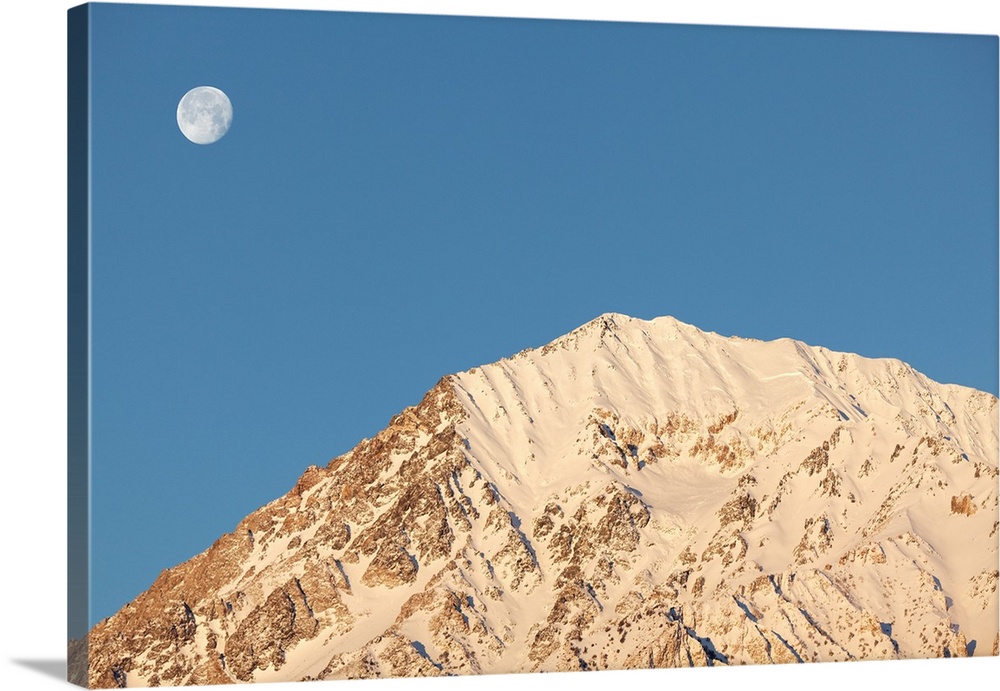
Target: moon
{"x":204,"y":114}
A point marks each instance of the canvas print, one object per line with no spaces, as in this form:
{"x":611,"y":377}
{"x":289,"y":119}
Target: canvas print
{"x":413,"y":345}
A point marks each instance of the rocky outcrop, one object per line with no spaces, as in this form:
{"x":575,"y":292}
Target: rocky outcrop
{"x":963,"y":505}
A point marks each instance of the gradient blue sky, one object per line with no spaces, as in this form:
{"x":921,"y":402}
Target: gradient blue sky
{"x":401,"y":197}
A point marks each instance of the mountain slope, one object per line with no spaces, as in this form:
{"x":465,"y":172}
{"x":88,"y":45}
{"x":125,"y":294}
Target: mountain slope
{"x":632,"y":494}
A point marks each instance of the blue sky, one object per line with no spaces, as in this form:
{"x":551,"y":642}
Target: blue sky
{"x":402,"y":197}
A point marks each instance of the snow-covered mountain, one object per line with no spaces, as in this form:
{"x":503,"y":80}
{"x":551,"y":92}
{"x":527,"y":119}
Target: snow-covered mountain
{"x":633,"y":494}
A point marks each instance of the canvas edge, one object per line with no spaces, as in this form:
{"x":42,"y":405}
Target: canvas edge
{"x":78,"y":342}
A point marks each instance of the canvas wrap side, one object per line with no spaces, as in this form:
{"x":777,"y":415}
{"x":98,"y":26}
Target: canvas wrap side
{"x":78,"y":340}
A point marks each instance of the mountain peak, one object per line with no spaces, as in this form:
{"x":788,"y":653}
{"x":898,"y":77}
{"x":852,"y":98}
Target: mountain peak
{"x":609,"y":325}
{"x":607,"y":322}
{"x":633,"y":493}
{"x":618,"y":320}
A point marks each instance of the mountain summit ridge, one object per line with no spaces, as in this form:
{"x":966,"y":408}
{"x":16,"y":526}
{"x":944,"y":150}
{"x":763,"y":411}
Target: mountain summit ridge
{"x":632,"y":494}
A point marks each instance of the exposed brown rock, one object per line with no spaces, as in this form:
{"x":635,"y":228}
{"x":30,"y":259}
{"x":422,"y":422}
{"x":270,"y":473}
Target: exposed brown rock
{"x":963,"y":505}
